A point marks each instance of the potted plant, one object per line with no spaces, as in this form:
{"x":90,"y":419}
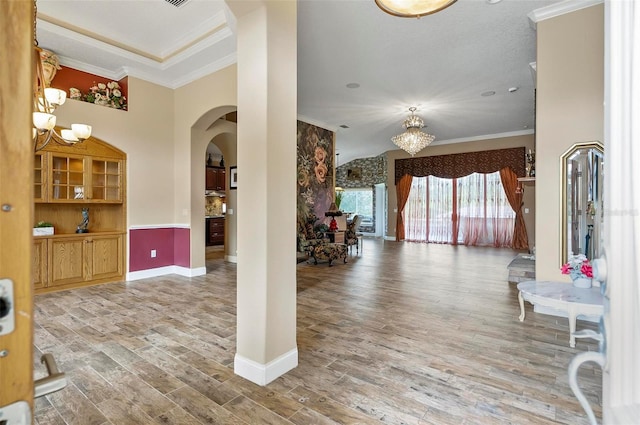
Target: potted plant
{"x":338,"y":198}
{"x":43,"y":228}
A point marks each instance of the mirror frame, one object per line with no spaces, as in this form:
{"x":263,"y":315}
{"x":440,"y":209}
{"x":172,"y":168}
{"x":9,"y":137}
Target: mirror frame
{"x":564,"y":243}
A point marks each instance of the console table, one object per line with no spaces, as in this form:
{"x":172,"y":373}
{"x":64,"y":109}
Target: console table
{"x":562,"y":296}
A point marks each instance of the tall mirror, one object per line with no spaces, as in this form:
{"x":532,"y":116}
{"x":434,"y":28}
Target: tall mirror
{"x":582,"y":200}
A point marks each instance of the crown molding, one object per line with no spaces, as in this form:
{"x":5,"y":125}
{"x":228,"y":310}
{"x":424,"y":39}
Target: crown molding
{"x":204,"y":71}
{"x":484,"y":137}
{"x":202,"y":31}
{"x":161,"y":65}
{"x":533,"y":67}
{"x":559,"y":9}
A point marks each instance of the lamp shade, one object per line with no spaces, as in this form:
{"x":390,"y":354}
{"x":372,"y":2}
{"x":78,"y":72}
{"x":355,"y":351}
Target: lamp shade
{"x":43,"y":121}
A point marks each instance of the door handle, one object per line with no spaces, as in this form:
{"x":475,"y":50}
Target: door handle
{"x":52,"y":383}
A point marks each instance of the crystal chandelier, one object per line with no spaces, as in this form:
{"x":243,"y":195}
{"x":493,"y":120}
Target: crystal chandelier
{"x":413,"y":8}
{"x":45,"y":100}
{"x":413,"y":140}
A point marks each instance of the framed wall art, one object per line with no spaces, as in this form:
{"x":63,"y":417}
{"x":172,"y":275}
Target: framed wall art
{"x":233,"y":178}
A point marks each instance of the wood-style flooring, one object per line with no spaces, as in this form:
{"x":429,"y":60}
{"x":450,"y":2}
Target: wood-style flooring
{"x":402,"y":334}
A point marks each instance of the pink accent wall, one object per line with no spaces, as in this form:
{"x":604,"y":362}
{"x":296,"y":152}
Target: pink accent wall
{"x":182,"y":247}
{"x":171,"y":245}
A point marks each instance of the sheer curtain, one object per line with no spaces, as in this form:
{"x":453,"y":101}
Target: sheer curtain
{"x":440,"y":213}
{"x":415,"y":211}
{"x":485,"y":216}
{"x":428,"y":210}
{"x":472,"y":210}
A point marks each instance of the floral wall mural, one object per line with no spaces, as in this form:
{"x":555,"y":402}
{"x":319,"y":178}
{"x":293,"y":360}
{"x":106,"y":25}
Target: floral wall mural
{"x":315,"y":171}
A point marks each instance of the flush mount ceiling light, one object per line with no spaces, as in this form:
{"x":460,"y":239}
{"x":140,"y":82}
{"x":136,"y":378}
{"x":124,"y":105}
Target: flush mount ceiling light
{"x":413,"y":8}
{"x":413,"y":140}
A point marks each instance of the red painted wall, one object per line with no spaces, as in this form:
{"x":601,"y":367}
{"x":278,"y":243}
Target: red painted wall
{"x":171,"y":245}
{"x":182,"y":247}
{"x":68,"y":77}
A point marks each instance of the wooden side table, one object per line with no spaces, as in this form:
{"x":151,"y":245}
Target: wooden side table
{"x":564,"y":297}
{"x":336,"y":237}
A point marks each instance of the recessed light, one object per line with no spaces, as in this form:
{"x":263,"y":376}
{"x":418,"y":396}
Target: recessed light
{"x":488,"y":93}
{"x":493,"y":1}
{"x":353,"y":85}
{"x":513,"y":89}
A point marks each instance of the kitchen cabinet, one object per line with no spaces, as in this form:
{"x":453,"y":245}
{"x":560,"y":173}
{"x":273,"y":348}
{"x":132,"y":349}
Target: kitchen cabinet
{"x":215,"y":178}
{"x":214,"y":231}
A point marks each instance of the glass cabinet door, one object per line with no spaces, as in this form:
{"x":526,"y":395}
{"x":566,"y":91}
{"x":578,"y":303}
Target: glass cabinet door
{"x":38,"y":178}
{"x":67,"y":178}
{"x":106,"y":180}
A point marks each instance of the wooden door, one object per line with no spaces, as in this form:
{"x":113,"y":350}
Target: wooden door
{"x":16,"y":196}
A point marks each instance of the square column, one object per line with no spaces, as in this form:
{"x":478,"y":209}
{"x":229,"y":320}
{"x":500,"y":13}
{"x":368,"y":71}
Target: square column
{"x":266,"y":208}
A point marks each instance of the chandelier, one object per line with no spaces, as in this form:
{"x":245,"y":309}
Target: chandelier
{"x":413,"y":8}
{"x":45,"y":101}
{"x":413,"y":140}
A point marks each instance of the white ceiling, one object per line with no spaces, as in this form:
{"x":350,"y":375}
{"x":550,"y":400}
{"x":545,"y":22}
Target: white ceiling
{"x":440,"y":63}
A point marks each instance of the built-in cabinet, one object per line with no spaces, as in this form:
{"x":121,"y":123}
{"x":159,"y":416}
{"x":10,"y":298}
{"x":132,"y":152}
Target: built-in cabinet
{"x":66,"y":180}
{"x":215,"y":178}
{"x":83,"y":259}
{"x":214,"y":231}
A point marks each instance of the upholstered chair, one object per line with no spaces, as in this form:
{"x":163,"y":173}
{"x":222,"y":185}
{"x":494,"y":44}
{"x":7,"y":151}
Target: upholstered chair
{"x":308,"y":238}
{"x":351,"y":237}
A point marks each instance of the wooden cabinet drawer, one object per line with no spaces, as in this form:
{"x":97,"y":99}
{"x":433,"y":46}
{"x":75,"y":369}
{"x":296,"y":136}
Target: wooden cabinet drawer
{"x":215,"y":231}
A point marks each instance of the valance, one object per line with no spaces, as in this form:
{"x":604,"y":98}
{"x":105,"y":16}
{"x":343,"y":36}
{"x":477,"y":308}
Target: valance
{"x":462,"y":164}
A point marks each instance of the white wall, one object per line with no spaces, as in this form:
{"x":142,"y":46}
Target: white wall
{"x":570,"y":97}
{"x":145,"y":134}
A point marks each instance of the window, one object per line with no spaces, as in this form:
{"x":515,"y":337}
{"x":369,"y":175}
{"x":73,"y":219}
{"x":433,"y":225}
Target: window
{"x":360,"y":202}
{"x":471,"y":210}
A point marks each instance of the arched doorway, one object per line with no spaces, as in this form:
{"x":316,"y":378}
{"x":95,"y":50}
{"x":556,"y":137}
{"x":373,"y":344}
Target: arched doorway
{"x":217,"y":127}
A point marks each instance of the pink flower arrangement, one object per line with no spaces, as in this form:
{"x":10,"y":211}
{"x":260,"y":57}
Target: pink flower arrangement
{"x":578,"y":266}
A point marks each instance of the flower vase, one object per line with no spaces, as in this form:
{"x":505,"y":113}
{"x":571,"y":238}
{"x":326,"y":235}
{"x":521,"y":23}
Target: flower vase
{"x":582,"y":282}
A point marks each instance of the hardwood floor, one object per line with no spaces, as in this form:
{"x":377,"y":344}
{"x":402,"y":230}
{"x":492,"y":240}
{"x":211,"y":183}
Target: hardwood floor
{"x":404,"y":334}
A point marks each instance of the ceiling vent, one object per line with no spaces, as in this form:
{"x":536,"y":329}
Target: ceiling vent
{"x":177,"y":3}
{"x":344,"y":126}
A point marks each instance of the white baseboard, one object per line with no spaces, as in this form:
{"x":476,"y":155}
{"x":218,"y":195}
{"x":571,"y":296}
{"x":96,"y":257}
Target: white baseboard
{"x":262,"y":374}
{"x":559,"y":313}
{"x":389,"y":238}
{"x":186,"y":271}
{"x":162,"y":271}
{"x":231,"y":258}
